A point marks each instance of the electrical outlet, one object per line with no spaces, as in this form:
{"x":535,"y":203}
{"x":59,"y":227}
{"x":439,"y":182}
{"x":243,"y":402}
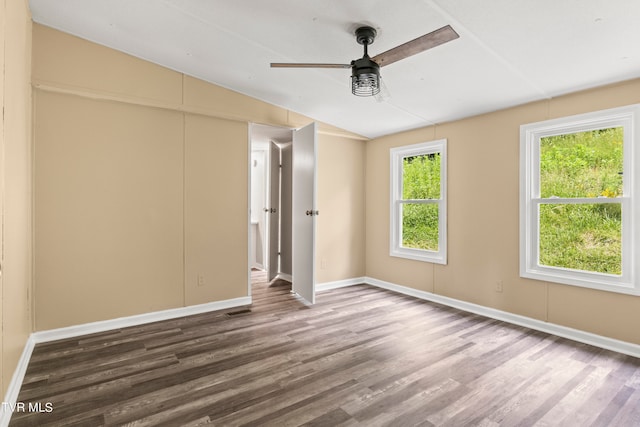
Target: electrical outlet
{"x":200,"y":279}
{"x":499,"y":286}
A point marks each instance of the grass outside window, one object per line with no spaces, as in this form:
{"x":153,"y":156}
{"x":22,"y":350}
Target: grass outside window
{"x":586,"y":236}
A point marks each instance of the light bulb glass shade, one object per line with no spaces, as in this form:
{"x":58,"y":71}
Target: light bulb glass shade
{"x":365,"y":84}
{"x":365,"y":77}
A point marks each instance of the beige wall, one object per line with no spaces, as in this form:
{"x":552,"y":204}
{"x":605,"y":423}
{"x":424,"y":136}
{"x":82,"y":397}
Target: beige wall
{"x":109,"y":216}
{"x":340,"y":242}
{"x":141,"y":185}
{"x":216,"y":206}
{"x":483,"y":240}
{"x":15,"y":182}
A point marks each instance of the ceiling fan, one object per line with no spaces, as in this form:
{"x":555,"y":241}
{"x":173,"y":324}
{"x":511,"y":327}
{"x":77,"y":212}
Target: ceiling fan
{"x":365,"y":72}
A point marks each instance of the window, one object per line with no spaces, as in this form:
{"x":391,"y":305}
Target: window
{"x":579,"y":200}
{"x":419,"y":202}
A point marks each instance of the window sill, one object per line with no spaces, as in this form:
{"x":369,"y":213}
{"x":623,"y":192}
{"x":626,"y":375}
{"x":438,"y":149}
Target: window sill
{"x":419,"y":255}
{"x":601,"y":282}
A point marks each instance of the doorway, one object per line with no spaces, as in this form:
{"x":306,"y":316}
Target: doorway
{"x":271,"y":186}
{"x":283,"y":209}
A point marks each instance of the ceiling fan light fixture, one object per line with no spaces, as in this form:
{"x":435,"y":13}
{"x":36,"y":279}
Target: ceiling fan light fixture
{"x":365,"y":77}
{"x":365,"y":72}
{"x":365,"y":84}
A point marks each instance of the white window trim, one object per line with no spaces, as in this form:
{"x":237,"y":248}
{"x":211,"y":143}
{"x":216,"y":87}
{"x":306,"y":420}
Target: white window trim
{"x":530,"y":135}
{"x":395,"y":221}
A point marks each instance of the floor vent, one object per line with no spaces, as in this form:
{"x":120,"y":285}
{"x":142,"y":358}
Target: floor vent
{"x":238,"y":312}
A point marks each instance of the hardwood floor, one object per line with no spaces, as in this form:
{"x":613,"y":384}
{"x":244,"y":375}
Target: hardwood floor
{"x":360,"y":356}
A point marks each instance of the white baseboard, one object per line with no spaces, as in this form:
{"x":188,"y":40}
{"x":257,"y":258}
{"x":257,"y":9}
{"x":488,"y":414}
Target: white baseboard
{"x":284,"y":276}
{"x":139,"y":319}
{"x":551,"y":328}
{"x":16,"y":382}
{"x":326,"y":286}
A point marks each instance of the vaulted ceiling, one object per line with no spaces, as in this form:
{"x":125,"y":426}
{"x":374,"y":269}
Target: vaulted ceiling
{"x":509,"y":52}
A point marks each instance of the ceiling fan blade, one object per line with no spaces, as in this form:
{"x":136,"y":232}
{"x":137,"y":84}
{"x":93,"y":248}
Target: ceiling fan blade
{"x":433,"y":39}
{"x":303,"y":65}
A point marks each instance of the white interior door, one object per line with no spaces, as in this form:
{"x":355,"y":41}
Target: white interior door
{"x":304,"y":212}
{"x":273,"y":211}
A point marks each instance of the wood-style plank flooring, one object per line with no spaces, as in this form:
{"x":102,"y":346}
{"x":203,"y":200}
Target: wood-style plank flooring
{"x":360,"y":356}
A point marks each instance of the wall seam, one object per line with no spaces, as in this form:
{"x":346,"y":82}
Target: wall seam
{"x":184,"y":199}
{"x":52,"y":87}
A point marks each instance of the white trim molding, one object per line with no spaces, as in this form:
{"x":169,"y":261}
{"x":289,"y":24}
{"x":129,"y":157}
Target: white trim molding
{"x":327,"y":286}
{"x":139,"y":319}
{"x":284,"y":276}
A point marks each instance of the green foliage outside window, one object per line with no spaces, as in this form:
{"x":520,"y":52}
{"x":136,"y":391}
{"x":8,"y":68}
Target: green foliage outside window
{"x":588,"y":236}
{"x":420,"y":181}
{"x":583,"y":164}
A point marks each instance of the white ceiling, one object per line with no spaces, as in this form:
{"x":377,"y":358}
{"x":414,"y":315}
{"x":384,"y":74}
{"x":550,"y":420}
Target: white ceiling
{"x":509,"y":51}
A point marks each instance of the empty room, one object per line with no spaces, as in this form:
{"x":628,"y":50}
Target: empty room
{"x":419,"y":212}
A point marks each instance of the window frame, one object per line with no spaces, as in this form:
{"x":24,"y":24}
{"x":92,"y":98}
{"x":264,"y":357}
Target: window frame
{"x":397,"y":155}
{"x":530,"y":136}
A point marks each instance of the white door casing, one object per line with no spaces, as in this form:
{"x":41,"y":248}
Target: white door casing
{"x":273,"y":211}
{"x":285,"y":211}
